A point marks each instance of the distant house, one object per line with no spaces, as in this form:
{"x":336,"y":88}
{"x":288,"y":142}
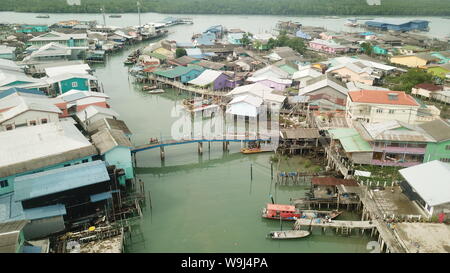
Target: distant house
{"x":32,"y":28}
{"x":212,"y":79}
{"x":10,"y":79}
{"x":421,"y":25}
{"x":425,"y":89}
{"x":262,"y":39}
{"x":65,"y":82}
{"x":272,"y":82}
{"x":418,"y":60}
{"x":77,"y":42}
{"x":305,"y":74}
{"x":265,"y":93}
{"x":325,"y":85}
{"x":115,"y":148}
{"x":327,"y":46}
{"x":356,"y":72}
{"x":376,"y":106}
{"x":245,"y":105}
{"x":78,"y":100}
{"x":440,"y":148}
{"x":235,"y":38}
{"x":183,"y":61}
{"x":109,"y":123}
{"x":94,"y":113}
{"x":205,"y":39}
{"x":272,"y":71}
{"x":210,"y":65}
{"x":350,"y":141}
{"x":50,"y":52}
{"x":180,"y":73}
{"x":7,"y":52}
{"x":428,"y":186}
{"x":21,"y":109}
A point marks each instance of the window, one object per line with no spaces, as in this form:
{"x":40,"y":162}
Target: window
{"x":391,"y":111}
{"x":44,"y":121}
{"x":66,"y":165}
{"x":3,"y":183}
{"x":379,"y":111}
{"x":445,"y":159}
{"x":84,"y":161}
{"x":74,"y":84}
{"x":32,"y":123}
{"x":9,"y":127}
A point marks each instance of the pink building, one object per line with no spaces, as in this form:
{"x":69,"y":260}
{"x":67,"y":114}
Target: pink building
{"x":327,"y":46}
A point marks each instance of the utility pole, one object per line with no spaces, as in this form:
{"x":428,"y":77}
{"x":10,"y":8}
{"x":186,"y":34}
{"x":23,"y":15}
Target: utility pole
{"x":102,"y":9}
{"x":139,"y":12}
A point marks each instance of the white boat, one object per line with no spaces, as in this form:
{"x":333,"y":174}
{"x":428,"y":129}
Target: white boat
{"x":156,"y":91}
{"x":288,"y":234}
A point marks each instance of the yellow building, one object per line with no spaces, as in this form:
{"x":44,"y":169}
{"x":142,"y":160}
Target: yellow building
{"x":418,"y":60}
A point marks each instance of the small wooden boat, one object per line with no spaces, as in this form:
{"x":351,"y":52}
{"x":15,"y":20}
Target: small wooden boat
{"x":148,"y":88}
{"x":253,"y":150}
{"x":128,"y":62}
{"x":156,"y":91}
{"x":288,"y":234}
{"x":115,"y":16}
{"x":291,"y":213}
{"x":43,"y":16}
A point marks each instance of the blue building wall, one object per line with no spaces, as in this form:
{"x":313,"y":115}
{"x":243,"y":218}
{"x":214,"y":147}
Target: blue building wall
{"x":121,"y":157}
{"x":10,"y":179}
{"x":67,"y":85}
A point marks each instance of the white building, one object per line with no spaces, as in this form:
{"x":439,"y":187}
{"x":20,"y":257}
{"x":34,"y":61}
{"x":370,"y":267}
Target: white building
{"x":430,"y":185}
{"x":93,"y":113}
{"x":378,"y":106}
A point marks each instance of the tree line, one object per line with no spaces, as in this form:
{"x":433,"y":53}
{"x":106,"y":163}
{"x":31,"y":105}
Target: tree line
{"x":269,"y":7}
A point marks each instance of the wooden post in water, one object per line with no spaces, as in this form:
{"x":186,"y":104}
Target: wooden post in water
{"x":200,"y":148}
{"x":251,"y":171}
{"x":161,"y":152}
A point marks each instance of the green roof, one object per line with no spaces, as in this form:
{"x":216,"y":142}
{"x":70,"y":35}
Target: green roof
{"x":288,"y":69}
{"x":351,"y":140}
{"x":177,"y":71}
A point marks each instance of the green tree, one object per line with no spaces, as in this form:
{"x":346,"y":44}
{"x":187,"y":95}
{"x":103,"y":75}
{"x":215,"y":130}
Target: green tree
{"x":367,"y":48}
{"x":180,"y":52}
{"x":406,"y":81}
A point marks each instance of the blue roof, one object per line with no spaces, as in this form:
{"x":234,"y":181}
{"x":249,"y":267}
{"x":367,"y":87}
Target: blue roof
{"x":101,"y":196}
{"x":302,"y":35}
{"x":10,"y":210}
{"x":204,"y":41}
{"x":62,"y":179}
{"x":367,"y":33}
{"x":216,"y":28}
{"x":45,"y":212}
{"x":19,"y":90}
{"x":188,"y":44}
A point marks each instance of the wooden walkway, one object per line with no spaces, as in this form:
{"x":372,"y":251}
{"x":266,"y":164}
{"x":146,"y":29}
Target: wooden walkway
{"x":188,"y":88}
{"x":334,"y":224}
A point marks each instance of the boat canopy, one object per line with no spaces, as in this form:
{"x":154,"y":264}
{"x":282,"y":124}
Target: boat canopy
{"x":281,"y":207}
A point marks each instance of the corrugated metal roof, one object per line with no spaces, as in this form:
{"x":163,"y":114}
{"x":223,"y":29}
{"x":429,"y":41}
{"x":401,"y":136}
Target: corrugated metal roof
{"x":45,"y":212}
{"x":107,"y":139}
{"x":438,"y":129}
{"x":9,"y":235}
{"x":28,"y":147}
{"x":430,"y":180}
{"x":177,"y":71}
{"x":207,"y":77}
{"x":300,"y":133}
{"x":351,"y":140}
{"x":61,"y":179}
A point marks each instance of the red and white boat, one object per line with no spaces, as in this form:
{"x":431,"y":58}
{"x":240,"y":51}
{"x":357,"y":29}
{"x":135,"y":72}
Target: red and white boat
{"x":291,"y":213}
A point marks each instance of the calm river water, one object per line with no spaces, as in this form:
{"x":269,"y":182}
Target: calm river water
{"x":208,"y":203}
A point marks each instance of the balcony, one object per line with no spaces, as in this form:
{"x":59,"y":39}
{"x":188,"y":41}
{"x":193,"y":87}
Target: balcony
{"x":395,"y":163}
{"x":399,"y":150}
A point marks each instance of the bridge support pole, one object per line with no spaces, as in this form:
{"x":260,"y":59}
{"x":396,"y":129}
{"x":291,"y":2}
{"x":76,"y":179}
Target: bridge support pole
{"x":200,"y":148}
{"x":161,"y":152}
{"x":225,"y":146}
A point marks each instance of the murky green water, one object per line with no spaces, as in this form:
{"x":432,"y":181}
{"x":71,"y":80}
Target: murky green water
{"x":207,"y":203}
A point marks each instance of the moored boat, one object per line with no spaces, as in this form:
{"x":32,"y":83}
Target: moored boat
{"x":291,"y":213}
{"x":253,"y":150}
{"x":148,"y":88}
{"x":156,"y":91}
{"x":288,"y":234}
{"x":115,"y":16}
{"x":43,"y":16}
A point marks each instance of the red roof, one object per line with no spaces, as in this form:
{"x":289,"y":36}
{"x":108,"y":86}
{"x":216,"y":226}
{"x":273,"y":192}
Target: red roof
{"x":382,"y":97}
{"x":332,"y":181}
{"x":429,"y":86}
